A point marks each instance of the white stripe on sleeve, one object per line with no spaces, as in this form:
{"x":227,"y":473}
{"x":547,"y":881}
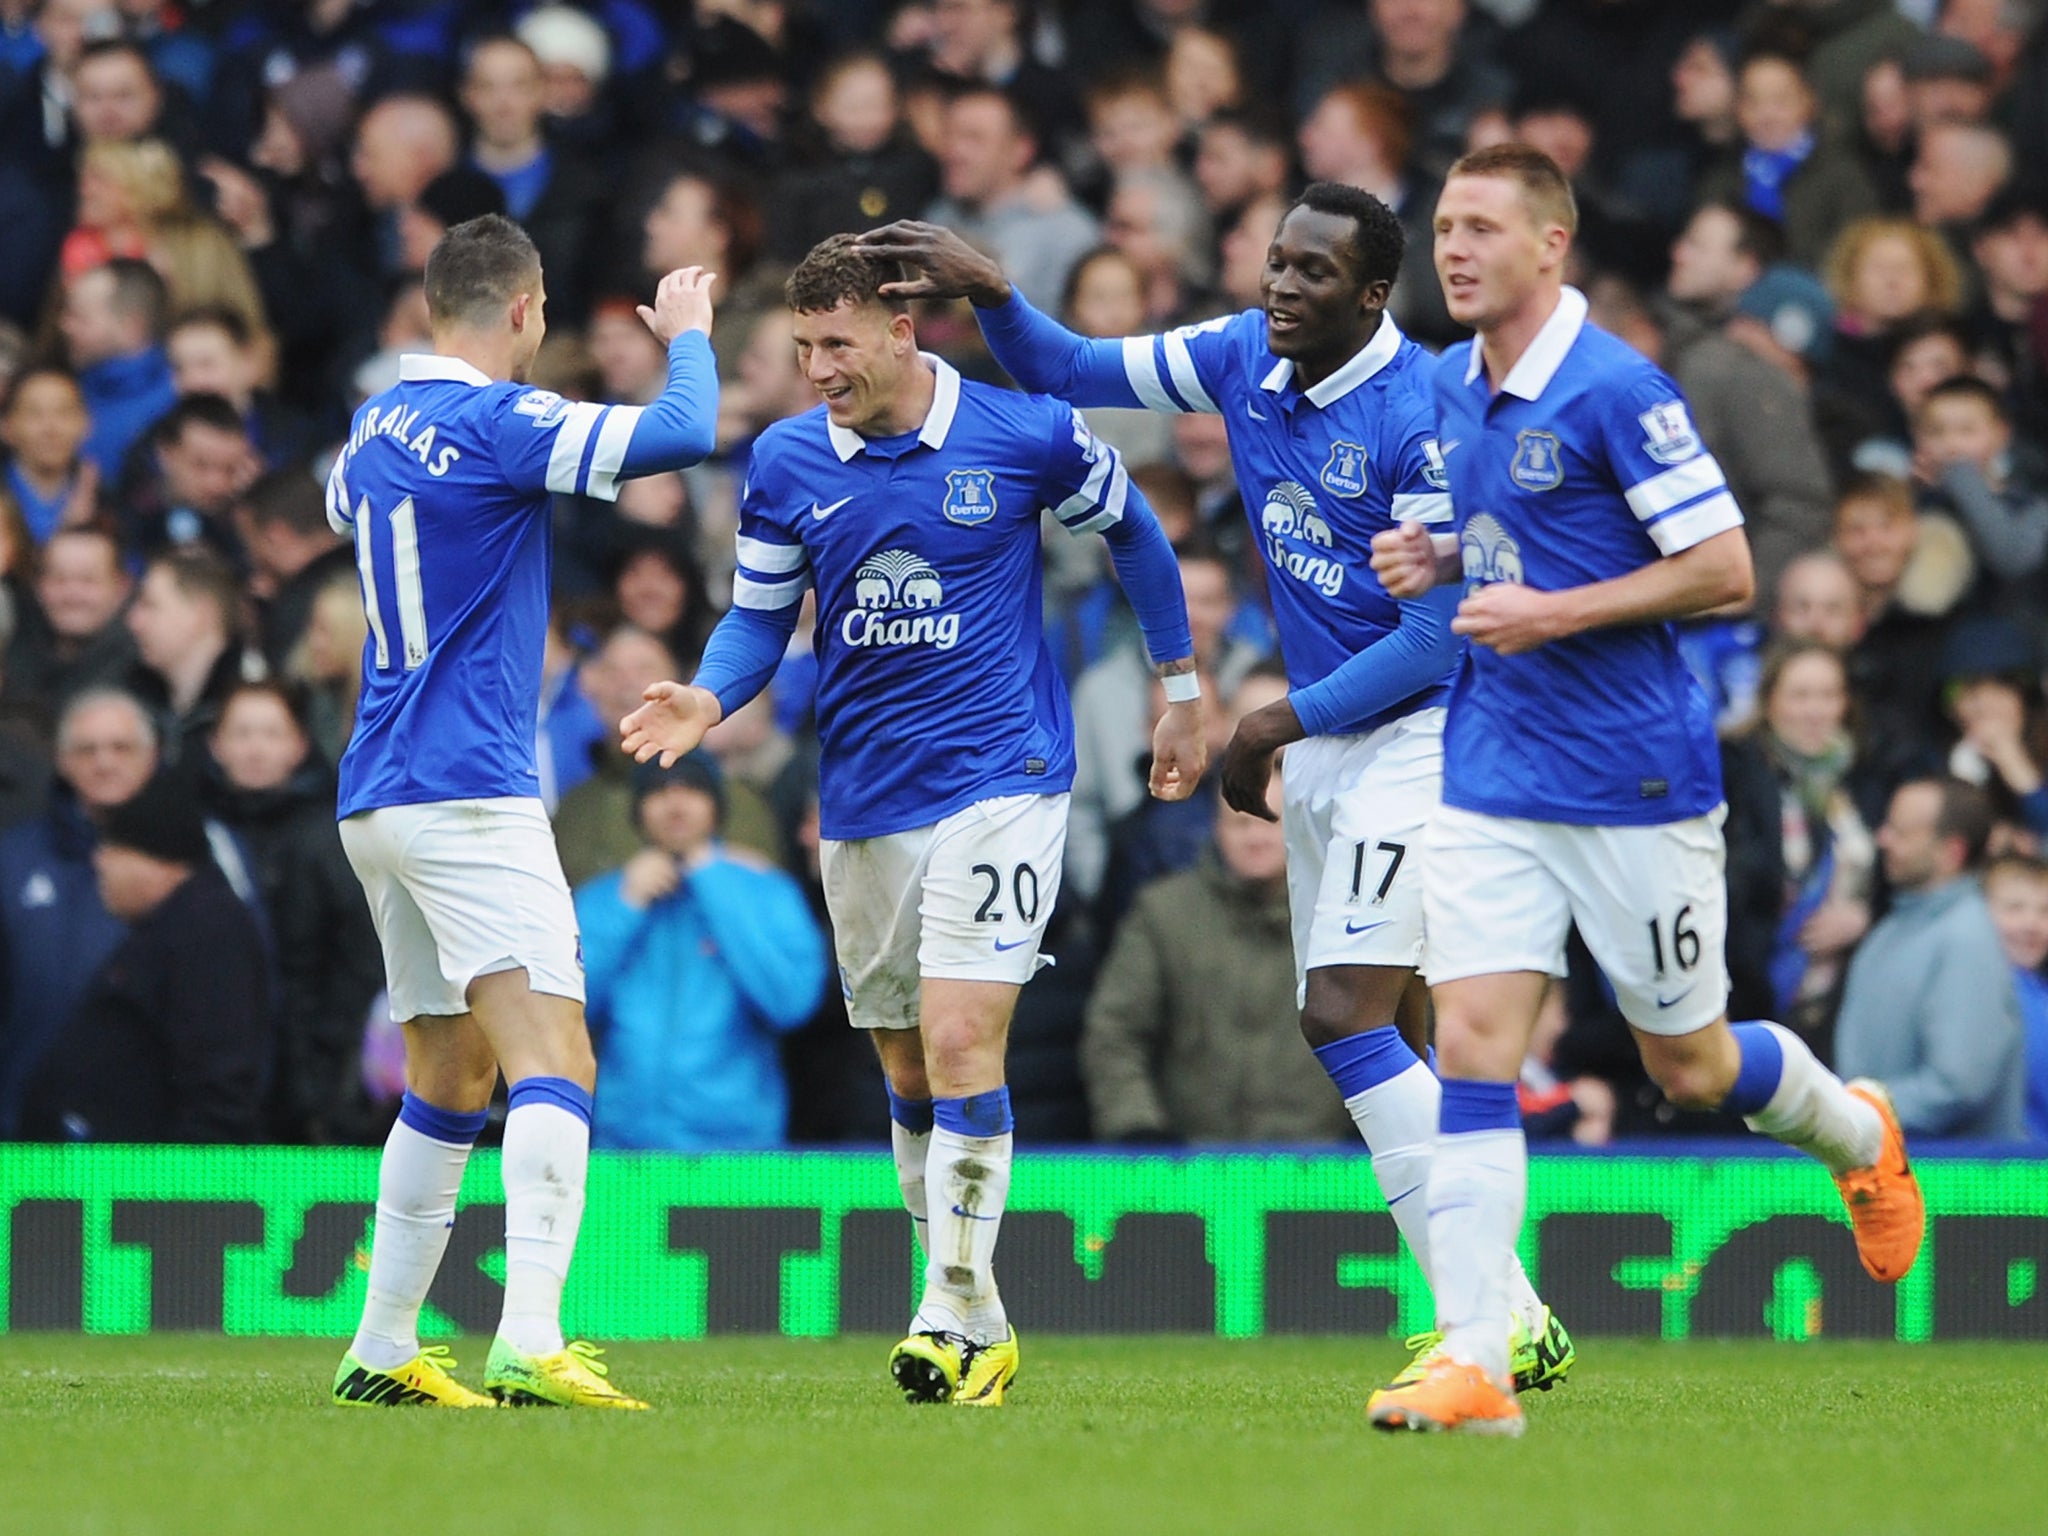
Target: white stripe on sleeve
{"x":1180,"y":362}
{"x":338,"y":516}
{"x":1422,"y":507}
{"x":1108,"y":505}
{"x":1676,"y":532}
{"x":767,"y":596}
{"x":570,"y":438}
{"x":612,"y":438}
{"x":1143,"y":372}
{"x":1675,"y":487}
{"x":1089,"y":497}
{"x":770,"y":559}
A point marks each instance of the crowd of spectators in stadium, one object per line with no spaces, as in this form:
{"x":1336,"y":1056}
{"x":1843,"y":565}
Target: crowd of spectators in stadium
{"x":1828,"y":219}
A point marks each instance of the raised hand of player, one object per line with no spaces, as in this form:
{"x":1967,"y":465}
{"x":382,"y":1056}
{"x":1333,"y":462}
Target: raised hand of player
{"x":949,"y":267}
{"x":1507,"y":617}
{"x":672,"y":722}
{"x":1248,"y":760}
{"x":682,"y":302}
{"x":1405,"y":560}
{"x":1180,"y":752}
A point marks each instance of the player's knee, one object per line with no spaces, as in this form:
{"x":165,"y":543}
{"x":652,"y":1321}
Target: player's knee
{"x":902,"y":1054}
{"x":1324,"y":1022}
{"x":1340,"y":1001}
{"x":957,"y":1050}
{"x":461,"y":1086}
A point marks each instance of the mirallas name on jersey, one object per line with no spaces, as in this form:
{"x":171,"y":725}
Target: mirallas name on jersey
{"x":402,"y":423}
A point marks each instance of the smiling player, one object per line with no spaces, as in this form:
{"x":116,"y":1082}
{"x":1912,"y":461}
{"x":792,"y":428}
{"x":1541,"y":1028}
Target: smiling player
{"x":1328,"y":411}
{"x":910,"y":500}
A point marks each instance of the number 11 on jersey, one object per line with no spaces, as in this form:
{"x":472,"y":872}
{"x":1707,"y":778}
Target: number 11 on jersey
{"x":405,"y":575}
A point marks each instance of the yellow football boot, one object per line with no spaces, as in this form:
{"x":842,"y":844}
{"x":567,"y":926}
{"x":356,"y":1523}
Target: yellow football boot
{"x":423,"y":1381}
{"x":572,"y":1377}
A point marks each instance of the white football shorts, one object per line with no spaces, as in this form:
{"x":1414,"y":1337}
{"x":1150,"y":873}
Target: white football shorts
{"x":461,"y":889}
{"x":1500,"y":895}
{"x":1354,"y":809}
{"x":966,"y":899}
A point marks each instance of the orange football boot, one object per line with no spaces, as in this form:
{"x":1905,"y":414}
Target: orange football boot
{"x":1451,"y":1396}
{"x":1885,"y":1204}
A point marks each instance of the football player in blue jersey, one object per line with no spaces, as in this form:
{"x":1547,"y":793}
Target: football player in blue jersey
{"x":1333,"y":439}
{"x":1581,"y":777}
{"x":910,"y":501}
{"x":446,"y":485}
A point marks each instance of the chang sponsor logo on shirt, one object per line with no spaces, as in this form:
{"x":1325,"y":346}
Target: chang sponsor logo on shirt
{"x":1489,"y":552}
{"x":895,"y":594}
{"x":1294,"y":531}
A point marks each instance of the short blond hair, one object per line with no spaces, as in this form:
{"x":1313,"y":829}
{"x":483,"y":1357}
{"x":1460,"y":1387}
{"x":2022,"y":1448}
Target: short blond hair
{"x":1546,"y":190}
{"x":148,"y":174}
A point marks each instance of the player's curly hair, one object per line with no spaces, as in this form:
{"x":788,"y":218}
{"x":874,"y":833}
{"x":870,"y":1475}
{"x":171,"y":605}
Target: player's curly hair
{"x":837,"y":271}
{"x":1379,"y":236}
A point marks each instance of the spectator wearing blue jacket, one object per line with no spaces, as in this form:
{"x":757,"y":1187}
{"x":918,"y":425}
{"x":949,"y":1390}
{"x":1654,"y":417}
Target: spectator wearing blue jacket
{"x":696,"y":961}
{"x":55,"y":932}
{"x":113,"y":323}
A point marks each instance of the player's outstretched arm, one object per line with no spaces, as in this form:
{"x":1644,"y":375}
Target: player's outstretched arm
{"x":1511,"y":619}
{"x":946,"y":266}
{"x":1034,"y":349}
{"x":680,"y":426}
{"x":682,"y":302}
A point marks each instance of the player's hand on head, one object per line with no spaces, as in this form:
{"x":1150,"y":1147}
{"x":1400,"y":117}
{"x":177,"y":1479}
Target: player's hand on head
{"x":1404,"y":559}
{"x":671,"y":722}
{"x":682,"y":302}
{"x":945,"y":266}
{"x":1508,"y":617}
{"x":1180,"y":752}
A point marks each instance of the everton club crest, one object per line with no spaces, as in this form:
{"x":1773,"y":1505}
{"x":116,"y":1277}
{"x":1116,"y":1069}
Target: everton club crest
{"x":1344,"y":474}
{"x":970,"y":496}
{"x":1538,"y":464}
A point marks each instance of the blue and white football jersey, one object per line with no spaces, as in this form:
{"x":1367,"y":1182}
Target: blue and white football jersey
{"x":935,"y":687}
{"x":1321,"y":470}
{"x":1584,"y":467}
{"x":446,"y":485}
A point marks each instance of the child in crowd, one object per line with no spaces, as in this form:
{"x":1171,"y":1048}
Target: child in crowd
{"x":2016,"y":889}
{"x":1963,"y":455}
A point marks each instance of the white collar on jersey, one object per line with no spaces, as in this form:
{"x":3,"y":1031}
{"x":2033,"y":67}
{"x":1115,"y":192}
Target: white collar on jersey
{"x":1365,"y":362}
{"x":433,"y":368}
{"x":1544,"y":355}
{"x":937,"y":423}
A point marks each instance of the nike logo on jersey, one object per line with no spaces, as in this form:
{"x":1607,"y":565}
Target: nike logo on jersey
{"x":1358,"y":928}
{"x":821,"y":513}
{"x":1003,"y":949}
{"x":1255,"y":416}
{"x":1672,"y":1002}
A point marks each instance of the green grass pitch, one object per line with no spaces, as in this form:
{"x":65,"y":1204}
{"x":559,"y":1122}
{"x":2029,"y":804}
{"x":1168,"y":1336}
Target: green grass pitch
{"x":167,"y":1435}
